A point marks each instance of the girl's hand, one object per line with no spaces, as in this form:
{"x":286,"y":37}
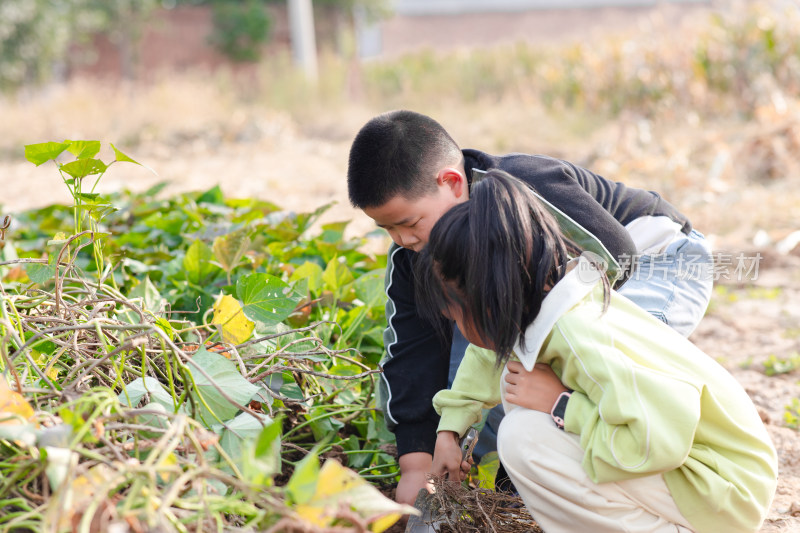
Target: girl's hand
{"x":537,"y":390}
{"x":447,"y":457}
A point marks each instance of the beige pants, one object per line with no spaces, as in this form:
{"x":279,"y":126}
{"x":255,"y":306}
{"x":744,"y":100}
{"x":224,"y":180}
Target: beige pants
{"x":544,"y":463}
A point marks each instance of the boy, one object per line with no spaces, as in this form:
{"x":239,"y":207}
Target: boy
{"x":405,"y":171}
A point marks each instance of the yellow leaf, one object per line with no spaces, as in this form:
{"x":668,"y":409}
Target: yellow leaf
{"x":14,"y":409}
{"x":41,"y":360}
{"x":164,"y":465}
{"x":385,"y":522}
{"x":229,"y":317}
{"x":339,"y":487}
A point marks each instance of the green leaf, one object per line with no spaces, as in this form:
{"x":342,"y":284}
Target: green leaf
{"x":44,"y":152}
{"x":212,"y":196}
{"x":370,"y":289}
{"x":224,"y":375}
{"x":39,"y":273}
{"x":42,"y":344}
{"x":84,"y":149}
{"x":229,"y":249}
{"x":292,"y":390}
{"x":88,"y":197}
{"x":333,"y":232}
{"x":157,"y":419}
{"x":133,"y":393}
{"x":197,"y":263}
{"x":261,"y":459}
{"x":239,"y":433}
{"x":337,"y":275}
{"x":151,"y":298}
{"x":310,"y":271}
{"x":378,"y":432}
{"x":264,"y":300}
{"x":122,"y":157}
{"x":84,"y":167}
{"x":323,"y":426}
{"x":268,"y":438}
{"x":487,"y":470}
{"x":303,"y":483}
{"x":164,"y":325}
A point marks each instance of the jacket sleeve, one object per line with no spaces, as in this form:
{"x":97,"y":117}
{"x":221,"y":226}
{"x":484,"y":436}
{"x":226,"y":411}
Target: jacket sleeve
{"x":476,"y":387}
{"x":632,"y":420}
{"x":415,"y":363}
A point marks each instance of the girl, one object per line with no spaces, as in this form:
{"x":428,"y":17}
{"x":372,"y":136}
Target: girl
{"x":619,"y":423}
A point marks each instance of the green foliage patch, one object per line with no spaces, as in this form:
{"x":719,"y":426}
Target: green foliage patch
{"x":190,"y":375}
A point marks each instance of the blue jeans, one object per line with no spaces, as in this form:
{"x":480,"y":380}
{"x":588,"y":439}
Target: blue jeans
{"x":674,"y":286}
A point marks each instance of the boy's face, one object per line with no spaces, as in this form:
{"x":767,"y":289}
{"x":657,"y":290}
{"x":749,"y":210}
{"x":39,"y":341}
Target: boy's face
{"x":409,"y":222}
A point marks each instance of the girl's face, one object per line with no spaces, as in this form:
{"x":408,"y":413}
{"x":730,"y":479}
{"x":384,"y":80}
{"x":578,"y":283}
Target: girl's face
{"x":466,"y":325}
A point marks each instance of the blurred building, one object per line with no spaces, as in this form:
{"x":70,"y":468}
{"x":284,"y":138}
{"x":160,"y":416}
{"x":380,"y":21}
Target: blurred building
{"x":458,"y":23}
{"x":178,"y":39}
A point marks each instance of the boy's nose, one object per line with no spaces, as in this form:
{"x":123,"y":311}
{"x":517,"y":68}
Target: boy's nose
{"x":407,"y":239}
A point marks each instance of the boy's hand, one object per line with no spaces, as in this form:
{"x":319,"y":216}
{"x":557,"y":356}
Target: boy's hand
{"x":447,"y":457}
{"x":414,"y":470}
{"x":537,"y":390}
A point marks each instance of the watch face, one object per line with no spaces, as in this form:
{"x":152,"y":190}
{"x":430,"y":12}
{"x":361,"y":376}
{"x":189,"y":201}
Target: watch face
{"x":559,"y":409}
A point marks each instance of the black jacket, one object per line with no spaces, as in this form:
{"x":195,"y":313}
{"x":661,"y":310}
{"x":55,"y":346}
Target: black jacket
{"x":416,"y":362}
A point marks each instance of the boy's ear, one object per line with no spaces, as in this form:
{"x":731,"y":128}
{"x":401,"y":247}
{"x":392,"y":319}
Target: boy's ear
{"x":455,"y":179}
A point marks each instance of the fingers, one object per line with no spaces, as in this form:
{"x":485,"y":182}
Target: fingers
{"x":454,"y":472}
{"x":515,"y":367}
{"x":450,"y":468}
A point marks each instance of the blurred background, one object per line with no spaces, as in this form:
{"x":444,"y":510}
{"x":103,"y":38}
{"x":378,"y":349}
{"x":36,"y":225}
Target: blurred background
{"x":695,"y":99}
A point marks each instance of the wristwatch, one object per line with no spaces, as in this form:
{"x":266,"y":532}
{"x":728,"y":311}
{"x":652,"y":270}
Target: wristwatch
{"x":559,"y":408}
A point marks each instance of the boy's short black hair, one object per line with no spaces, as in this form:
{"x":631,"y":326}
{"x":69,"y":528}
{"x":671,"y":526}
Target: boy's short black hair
{"x":398,"y":153}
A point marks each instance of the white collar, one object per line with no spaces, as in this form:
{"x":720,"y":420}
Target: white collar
{"x":572,"y":288}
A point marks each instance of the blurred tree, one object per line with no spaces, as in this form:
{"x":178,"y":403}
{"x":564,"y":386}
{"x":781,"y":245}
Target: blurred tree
{"x":33,"y":40}
{"x":35,"y":35}
{"x":346,"y":12}
{"x":241,"y":28}
{"x":124,"y":22}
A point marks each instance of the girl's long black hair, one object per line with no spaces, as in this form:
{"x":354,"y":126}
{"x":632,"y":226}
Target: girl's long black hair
{"x":495,"y":257}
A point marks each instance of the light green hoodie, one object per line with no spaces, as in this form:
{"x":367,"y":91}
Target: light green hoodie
{"x":646,"y":401}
